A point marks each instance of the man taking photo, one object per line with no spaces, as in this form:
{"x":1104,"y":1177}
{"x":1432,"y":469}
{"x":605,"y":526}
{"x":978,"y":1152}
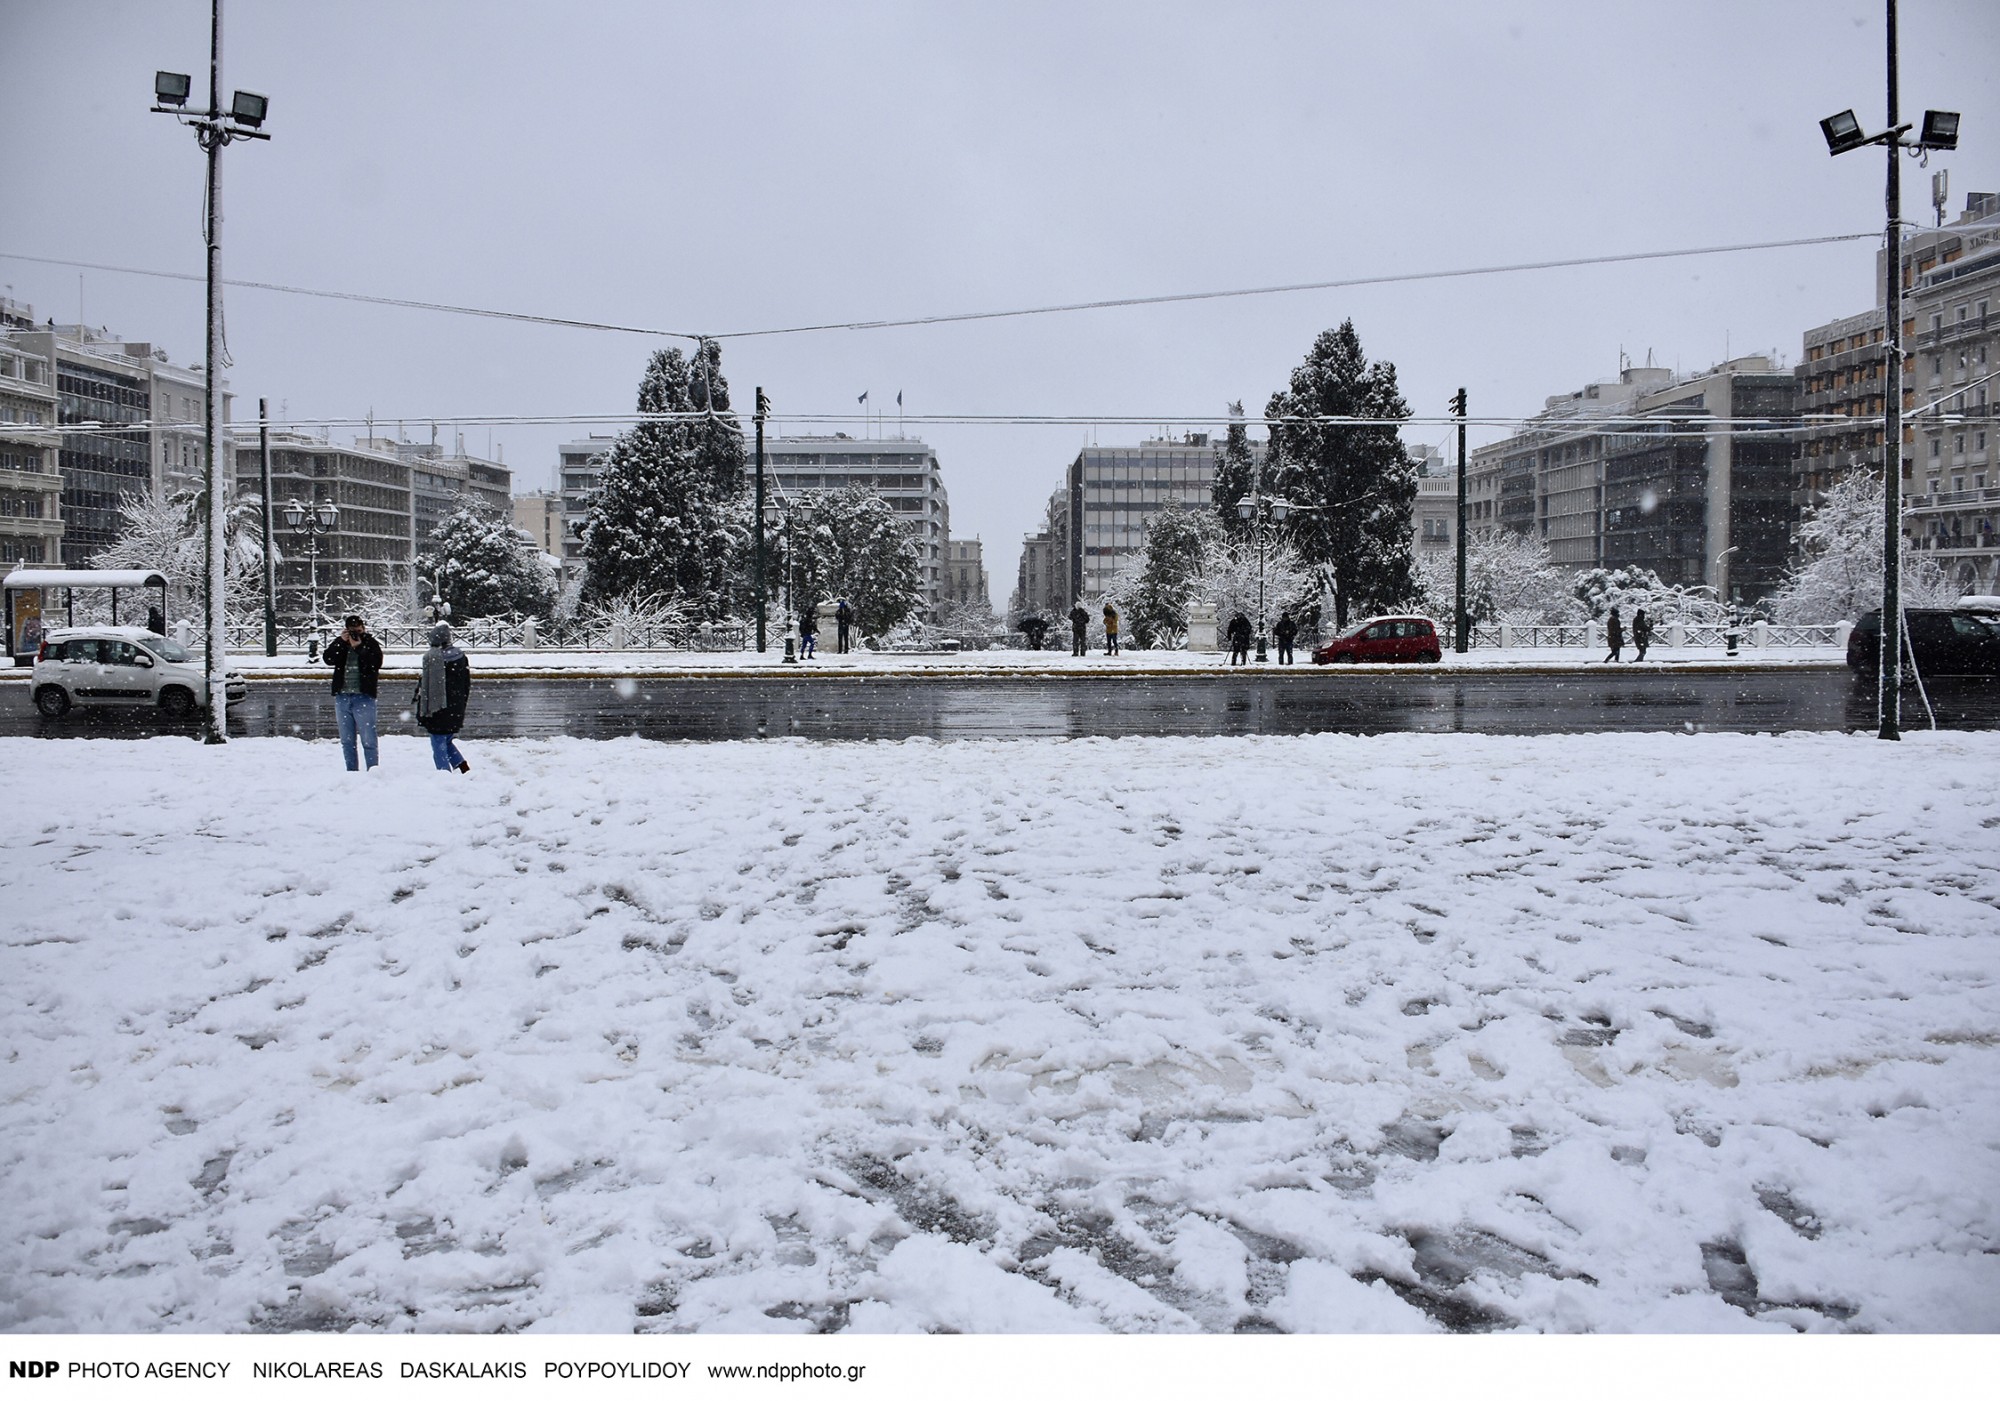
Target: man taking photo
{"x":356,"y":659}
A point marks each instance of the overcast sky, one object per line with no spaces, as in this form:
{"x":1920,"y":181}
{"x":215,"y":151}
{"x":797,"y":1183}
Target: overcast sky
{"x":727,"y":166}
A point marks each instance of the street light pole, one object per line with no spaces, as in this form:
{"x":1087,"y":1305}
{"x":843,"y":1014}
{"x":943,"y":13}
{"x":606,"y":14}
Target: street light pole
{"x":1461,"y":621}
{"x":1940,"y":133}
{"x":763,"y":406}
{"x":1889,"y":702}
{"x":213,"y":131}
{"x":270,"y":560}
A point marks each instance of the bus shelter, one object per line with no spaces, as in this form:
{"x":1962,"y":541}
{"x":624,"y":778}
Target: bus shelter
{"x":36,"y":600}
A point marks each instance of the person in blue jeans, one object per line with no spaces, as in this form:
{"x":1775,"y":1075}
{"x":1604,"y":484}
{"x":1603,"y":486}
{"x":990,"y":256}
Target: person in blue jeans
{"x":443,"y":686}
{"x":356,"y":659}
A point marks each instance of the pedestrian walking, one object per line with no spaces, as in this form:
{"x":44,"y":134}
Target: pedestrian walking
{"x":1079,"y":631}
{"x":1614,"y":633}
{"x":807,"y":623}
{"x":1642,"y":633}
{"x":843,"y":618}
{"x":1110,"y":628}
{"x":356,"y":659}
{"x":443,"y":686}
{"x":1286,"y":632}
{"x":1239,"y":640}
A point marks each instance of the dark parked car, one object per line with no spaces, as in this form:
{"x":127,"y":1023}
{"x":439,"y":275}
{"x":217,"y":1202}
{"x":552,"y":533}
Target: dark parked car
{"x":1402,"y":639}
{"x":1944,"y":641}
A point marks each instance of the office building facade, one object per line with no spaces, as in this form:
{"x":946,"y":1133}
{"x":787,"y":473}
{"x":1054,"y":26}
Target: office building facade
{"x":965,"y":580}
{"x":373,"y":544}
{"x":903,"y":471}
{"x":30,"y":485}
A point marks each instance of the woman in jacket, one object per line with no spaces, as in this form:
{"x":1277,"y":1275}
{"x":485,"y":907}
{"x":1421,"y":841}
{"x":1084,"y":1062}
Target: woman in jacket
{"x":443,"y":687}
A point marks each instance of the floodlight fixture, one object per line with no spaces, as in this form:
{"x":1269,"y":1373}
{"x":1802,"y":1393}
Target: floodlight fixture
{"x":248,"y":108}
{"x":1940,"y":132}
{"x":1843,"y":133}
{"x":171,"y":89}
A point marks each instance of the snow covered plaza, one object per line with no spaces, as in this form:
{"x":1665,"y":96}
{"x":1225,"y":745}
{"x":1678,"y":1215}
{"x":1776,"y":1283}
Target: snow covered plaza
{"x":1621,"y":1032}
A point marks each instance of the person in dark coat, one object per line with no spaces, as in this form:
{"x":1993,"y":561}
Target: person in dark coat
{"x":1034,"y":629}
{"x":1239,"y":640}
{"x":843,"y":618}
{"x":1614,"y":633}
{"x":1110,"y":628}
{"x":808,"y":623}
{"x":1642,"y":633}
{"x":1286,"y":632}
{"x":356,"y":659}
{"x":1079,"y":631}
{"x":443,"y":686}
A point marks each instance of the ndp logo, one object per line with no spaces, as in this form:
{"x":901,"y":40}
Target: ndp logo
{"x":18,"y":1371}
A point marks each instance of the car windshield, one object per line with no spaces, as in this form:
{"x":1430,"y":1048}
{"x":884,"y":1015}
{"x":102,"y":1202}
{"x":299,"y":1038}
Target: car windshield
{"x":167,"y":648}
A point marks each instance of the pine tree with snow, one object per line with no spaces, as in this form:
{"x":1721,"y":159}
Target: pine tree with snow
{"x":669,"y":516}
{"x":1356,"y":484}
{"x":848,"y":543}
{"x":1235,"y":473}
{"x":1155,"y":601}
{"x":486,"y":567}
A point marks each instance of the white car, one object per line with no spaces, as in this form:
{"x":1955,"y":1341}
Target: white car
{"x":121,"y":666}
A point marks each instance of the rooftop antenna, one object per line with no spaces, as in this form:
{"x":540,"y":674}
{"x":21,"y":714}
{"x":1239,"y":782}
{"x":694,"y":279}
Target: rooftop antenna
{"x":1940,"y":193}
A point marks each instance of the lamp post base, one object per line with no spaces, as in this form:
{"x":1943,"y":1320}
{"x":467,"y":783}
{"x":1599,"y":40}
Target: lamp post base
{"x":790,"y":654}
{"x":1262,"y":654}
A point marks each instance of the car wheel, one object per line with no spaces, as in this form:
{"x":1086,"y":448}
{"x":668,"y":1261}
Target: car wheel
{"x":1343,"y":657}
{"x":52,"y":701}
{"x":1432,"y":657}
{"x":177,"y":701}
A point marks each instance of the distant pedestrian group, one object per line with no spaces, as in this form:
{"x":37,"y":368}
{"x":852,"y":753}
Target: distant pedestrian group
{"x":444,"y":686}
{"x":1614,"y":633}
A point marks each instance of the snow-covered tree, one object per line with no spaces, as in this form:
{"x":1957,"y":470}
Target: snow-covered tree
{"x":1629,"y":587}
{"x":1230,"y":573}
{"x":668,"y":516}
{"x":165,"y":532}
{"x":1839,"y":572}
{"x":1154,"y":597}
{"x":1235,"y":473}
{"x":968,"y":617}
{"x":486,"y":567}
{"x":1509,"y":578}
{"x":848,"y":543}
{"x":1357,"y":482}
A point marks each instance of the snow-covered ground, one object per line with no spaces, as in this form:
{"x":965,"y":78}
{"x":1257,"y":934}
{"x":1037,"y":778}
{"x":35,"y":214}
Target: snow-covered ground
{"x":1322,"y":1033}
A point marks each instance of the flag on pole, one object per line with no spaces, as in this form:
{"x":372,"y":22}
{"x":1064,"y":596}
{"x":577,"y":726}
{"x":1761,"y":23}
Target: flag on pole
{"x":864,"y":397}
{"x":899,"y":398}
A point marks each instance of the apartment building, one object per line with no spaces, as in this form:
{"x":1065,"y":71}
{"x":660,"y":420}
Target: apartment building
{"x":373,"y":543}
{"x":966,"y":580}
{"x":30,"y":484}
{"x":102,"y":378}
{"x":578,"y":466}
{"x":903,"y":471}
{"x":540,"y":513}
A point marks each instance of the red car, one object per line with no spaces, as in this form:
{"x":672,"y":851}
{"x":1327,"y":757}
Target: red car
{"x":1399,"y":639}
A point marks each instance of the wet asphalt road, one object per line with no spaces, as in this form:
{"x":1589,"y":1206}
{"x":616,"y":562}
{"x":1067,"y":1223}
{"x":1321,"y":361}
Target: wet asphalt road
{"x":981,"y":707}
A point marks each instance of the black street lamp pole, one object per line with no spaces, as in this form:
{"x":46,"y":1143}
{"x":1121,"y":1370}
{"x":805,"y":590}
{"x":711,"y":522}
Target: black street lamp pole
{"x":1461,"y":620}
{"x":1940,"y":133}
{"x":763,"y":407}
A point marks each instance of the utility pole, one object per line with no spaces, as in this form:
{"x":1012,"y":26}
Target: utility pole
{"x":213,"y":130}
{"x":270,"y":563}
{"x":1890,"y":668}
{"x":763,"y":407}
{"x":1461,"y":621}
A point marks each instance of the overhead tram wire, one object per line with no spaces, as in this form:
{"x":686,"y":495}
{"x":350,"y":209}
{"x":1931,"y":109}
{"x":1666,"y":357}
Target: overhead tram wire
{"x":949,"y":318}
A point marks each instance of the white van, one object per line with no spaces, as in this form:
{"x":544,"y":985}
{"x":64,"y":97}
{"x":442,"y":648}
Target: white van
{"x":121,"y":666}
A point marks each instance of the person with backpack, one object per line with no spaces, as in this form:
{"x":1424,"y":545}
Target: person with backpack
{"x":443,"y":686}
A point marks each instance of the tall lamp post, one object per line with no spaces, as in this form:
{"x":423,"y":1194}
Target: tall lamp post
{"x":1262,"y":514}
{"x":309,"y":523}
{"x":1940,"y":133}
{"x":213,"y":130}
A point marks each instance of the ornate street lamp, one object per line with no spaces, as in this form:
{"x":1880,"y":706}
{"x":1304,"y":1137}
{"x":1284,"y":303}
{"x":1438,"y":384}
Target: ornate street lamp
{"x":309,"y":523}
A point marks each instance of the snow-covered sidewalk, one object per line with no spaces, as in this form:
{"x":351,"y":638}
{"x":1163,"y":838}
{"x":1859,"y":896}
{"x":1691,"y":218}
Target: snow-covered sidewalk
{"x":1321,"y":1033}
{"x":487,"y":662}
